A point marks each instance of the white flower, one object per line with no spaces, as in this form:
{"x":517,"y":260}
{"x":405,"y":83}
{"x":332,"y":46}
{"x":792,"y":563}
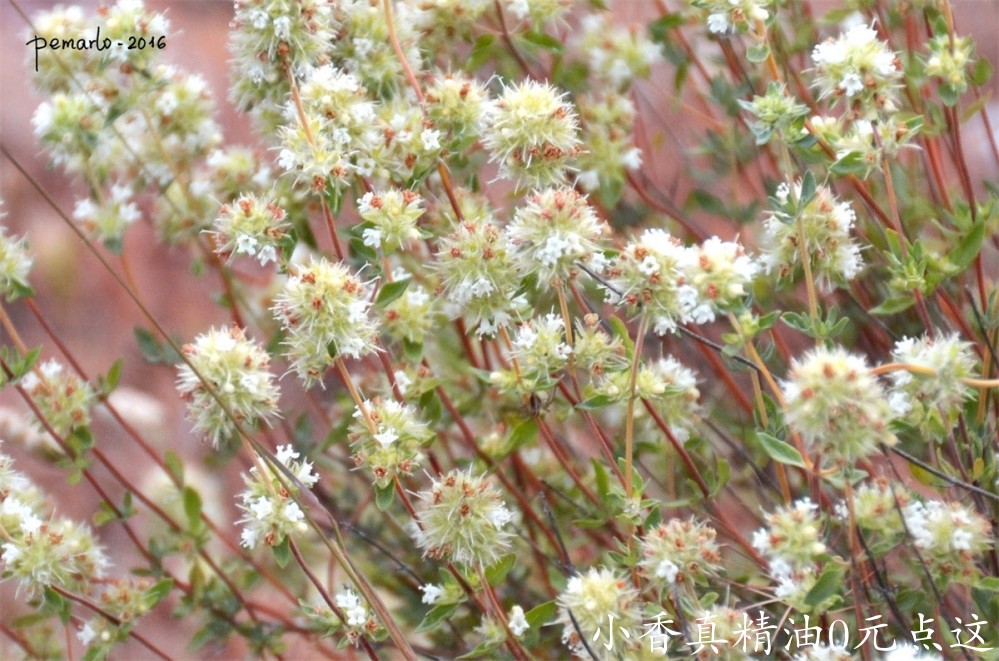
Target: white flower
{"x":431,"y":593}
{"x":517,"y":621}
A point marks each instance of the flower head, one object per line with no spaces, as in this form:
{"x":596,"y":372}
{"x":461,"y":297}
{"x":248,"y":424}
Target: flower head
{"x":555,"y":229}
{"x":238,"y":371}
{"x":392,"y":215}
{"x":393,"y":447}
{"x":837,"y":405}
{"x":859,"y":67}
{"x":649,"y":274}
{"x":251,"y":226}
{"x":62,"y":398}
{"x":932,"y":402}
{"x":680,"y":551}
{"x":270,"y":512}
{"x":792,"y":537}
{"x":479,"y":276}
{"x":531,"y":130}
{"x":595,"y":599}
{"x":323,"y":308}
{"x":462,"y":519}
{"x":15,"y":263}
{"x":824,"y":224}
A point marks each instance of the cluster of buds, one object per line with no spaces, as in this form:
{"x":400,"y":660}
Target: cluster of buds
{"x":608,"y":122}
{"x":540,"y":350}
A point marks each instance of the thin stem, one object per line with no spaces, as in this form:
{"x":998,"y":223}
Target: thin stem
{"x":629,"y":421}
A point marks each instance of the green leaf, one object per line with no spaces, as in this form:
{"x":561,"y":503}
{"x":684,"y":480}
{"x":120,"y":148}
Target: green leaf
{"x":981,"y":72}
{"x":926,"y":477}
{"x":384,"y":497}
{"x":780,"y":451}
{"x":991,"y":584}
{"x":481,"y":52}
{"x":620,"y":330}
{"x":282,"y":552}
{"x":662,"y":25}
{"x":435,"y":616}
{"x":601,"y":478}
{"x":521,"y":435}
{"x":55,"y":603}
{"x":192,"y":507}
{"x":148,"y":345}
{"x":481,"y":649}
{"x":157,"y":593}
{"x":390,"y":291}
{"x":496,"y":573}
{"x":595,"y":402}
{"x":542,"y":614}
{"x":894,"y":304}
{"x":968,"y":247}
{"x":174,"y":466}
{"x":758,"y":53}
{"x":544,"y":40}
{"x":113,"y":376}
{"x":808,"y":188}
{"x":829,"y":585}
{"x":799,"y":322}
{"x":720,"y":477}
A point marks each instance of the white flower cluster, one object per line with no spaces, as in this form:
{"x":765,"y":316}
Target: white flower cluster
{"x":270,"y":512}
{"x":250,"y":226}
{"x":323,"y":308}
{"x":40,"y":550}
{"x":823,"y":223}
{"x":237,"y":371}
{"x":677,"y":284}
{"x":859,"y":66}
